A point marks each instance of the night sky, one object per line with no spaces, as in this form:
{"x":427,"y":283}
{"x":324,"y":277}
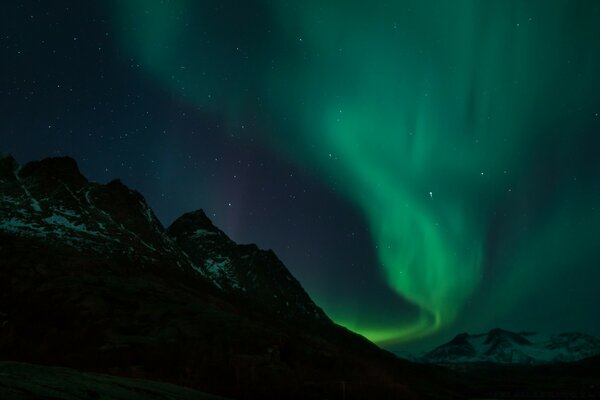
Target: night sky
{"x":422,"y":167}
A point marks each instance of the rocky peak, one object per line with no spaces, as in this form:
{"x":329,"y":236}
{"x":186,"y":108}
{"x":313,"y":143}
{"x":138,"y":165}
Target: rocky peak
{"x":50,"y":170}
{"x":460,"y":339}
{"x":196,"y":219}
{"x":456,"y":349}
{"x":500,"y":335}
{"x":192,"y":224}
{"x":51,"y":202}
{"x":126,"y":206}
{"x":244,"y":270}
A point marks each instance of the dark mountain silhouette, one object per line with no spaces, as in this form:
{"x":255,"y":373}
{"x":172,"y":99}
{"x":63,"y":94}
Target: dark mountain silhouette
{"x":90,"y":279}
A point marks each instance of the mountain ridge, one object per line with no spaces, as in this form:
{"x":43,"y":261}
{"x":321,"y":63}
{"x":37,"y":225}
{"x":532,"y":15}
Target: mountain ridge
{"x":499,"y":346}
{"x":72,"y":196}
{"x":90,"y":279}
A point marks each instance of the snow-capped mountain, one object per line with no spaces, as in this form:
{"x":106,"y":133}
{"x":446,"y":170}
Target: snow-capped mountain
{"x":505,"y":347}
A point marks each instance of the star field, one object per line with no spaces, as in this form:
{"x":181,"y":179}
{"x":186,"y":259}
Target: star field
{"x":422,"y":168}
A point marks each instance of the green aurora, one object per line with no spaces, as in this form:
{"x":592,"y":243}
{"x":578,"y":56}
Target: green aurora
{"x":465,"y":131}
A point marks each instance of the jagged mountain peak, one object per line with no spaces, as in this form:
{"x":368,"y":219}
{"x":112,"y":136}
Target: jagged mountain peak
{"x":461,"y":338}
{"x":52,"y":202}
{"x":54,"y":168}
{"x":244,"y":270}
{"x":501,"y":335}
{"x":195,"y":222}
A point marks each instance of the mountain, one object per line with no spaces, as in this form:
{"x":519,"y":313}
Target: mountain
{"x":245,"y":270}
{"x":505,"y":347}
{"x":91,"y":280}
{"x":51,"y":201}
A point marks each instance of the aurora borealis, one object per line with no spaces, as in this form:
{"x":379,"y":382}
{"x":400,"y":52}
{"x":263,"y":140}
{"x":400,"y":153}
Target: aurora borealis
{"x":464,"y":135}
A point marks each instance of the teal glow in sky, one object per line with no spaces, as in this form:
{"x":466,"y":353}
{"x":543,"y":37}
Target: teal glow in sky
{"x":465,"y":132}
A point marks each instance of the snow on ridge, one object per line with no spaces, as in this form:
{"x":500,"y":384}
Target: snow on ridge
{"x":60,"y":221}
{"x":64,"y":211}
{"x":35,"y":205}
{"x":215,"y":267}
{"x":56,"y":224}
{"x":8,"y":199}
{"x":198,"y":233}
{"x":15,"y":225}
{"x":147,"y":212}
{"x":221,"y":272}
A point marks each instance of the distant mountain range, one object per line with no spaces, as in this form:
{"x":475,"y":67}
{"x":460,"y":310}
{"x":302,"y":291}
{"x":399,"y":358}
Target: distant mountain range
{"x":500,"y":346}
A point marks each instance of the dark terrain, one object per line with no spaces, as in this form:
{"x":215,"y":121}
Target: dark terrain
{"x":91,"y":280}
{"x":21,"y":381}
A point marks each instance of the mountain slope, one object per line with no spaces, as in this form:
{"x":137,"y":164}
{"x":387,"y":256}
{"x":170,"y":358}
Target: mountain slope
{"x":52,"y":201}
{"x":246,"y":270}
{"x":20,"y":381}
{"x":90,"y":279}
